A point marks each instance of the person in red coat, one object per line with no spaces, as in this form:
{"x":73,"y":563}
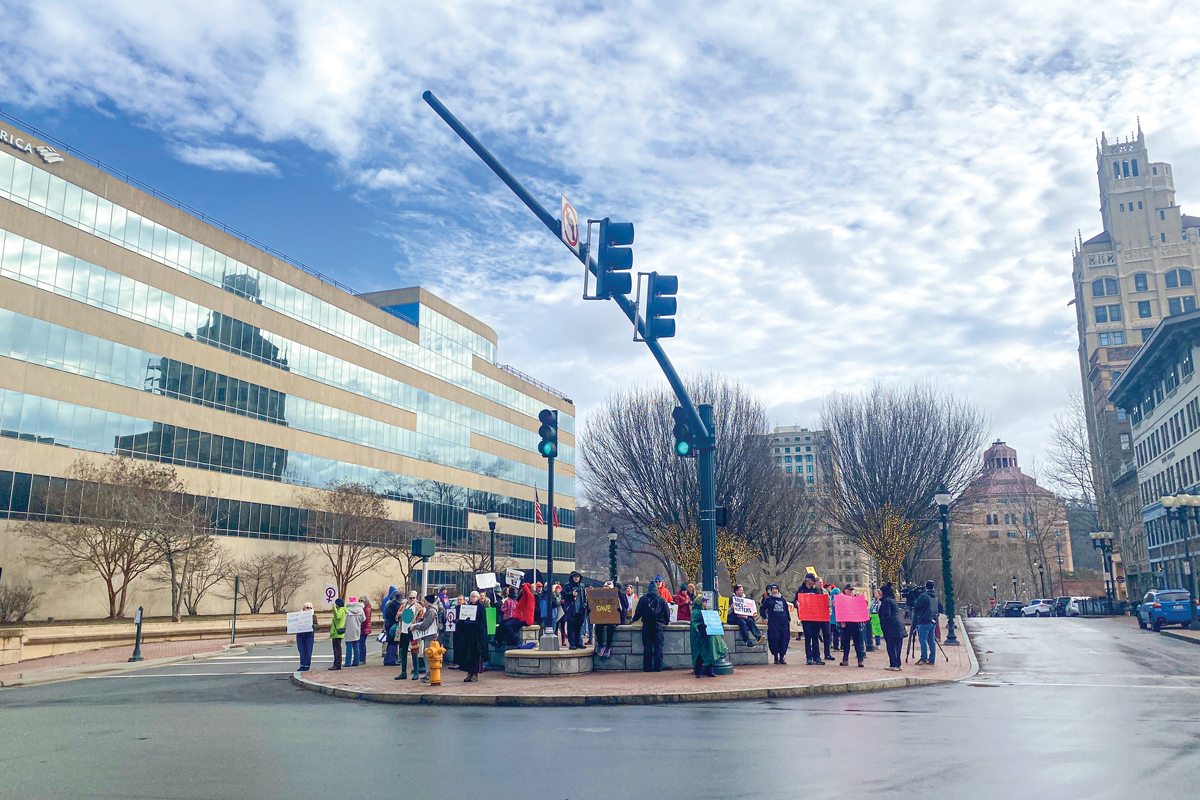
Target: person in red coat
{"x":684,"y":601}
{"x":508,"y":634}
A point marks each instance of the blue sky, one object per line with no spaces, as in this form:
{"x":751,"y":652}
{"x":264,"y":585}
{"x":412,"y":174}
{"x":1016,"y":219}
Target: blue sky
{"x":848,"y":193}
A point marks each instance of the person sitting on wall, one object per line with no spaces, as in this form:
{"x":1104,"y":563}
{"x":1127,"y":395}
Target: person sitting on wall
{"x":745,"y":622}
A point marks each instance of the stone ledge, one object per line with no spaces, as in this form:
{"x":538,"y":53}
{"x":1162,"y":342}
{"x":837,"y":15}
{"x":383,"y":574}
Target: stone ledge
{"x":778,"y":693}
{"x":580,"y":653}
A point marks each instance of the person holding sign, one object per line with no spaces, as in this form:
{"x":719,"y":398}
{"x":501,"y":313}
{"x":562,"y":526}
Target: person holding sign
{"x":424,"y":630}
{"x":409,"y":612}
{"x":811,"y":627}
{"x":742,"y":610}
{"x":708,"y":647}
{"x":852,"y":630}
{"x":471,"y":637}
{"x":304,"y":638}
{"x":776,"y":611}
{"x":337,"y":632}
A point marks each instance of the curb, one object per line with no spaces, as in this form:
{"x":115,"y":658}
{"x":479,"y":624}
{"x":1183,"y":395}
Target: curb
{"x":616,"y":700}
{"x":1179,"y":636}
{"x":78,"y":673}
{"x":974,"y":659}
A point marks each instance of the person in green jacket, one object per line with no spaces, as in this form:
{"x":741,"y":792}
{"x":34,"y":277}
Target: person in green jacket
{"x":337,"y":632}
{"x":707,"y":649}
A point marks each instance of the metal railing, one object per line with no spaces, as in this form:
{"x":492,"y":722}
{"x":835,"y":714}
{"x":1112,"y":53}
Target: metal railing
{"x":535,"y":382}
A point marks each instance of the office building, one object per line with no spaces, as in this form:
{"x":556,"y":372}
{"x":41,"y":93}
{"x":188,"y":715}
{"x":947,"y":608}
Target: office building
{"x":130,"y":326}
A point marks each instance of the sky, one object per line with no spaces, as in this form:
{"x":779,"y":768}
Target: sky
{"x":848,"y":193}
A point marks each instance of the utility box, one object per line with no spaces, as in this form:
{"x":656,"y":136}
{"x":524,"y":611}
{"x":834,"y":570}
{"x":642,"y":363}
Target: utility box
{"x":423,"y":548}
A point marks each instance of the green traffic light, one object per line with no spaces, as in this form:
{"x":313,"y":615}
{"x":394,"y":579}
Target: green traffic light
{"x":548,"y":449}
{"x":683,"y":448}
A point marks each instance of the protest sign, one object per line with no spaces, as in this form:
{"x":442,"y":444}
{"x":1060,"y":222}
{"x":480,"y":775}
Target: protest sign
{"x":300,"y":622}
{"x":722,"y":607}
{"x":451,"y":619}
{"x":513,"y":578}
{"x":712,"y":623}
{"x":406,"y":619}
{"x":673,"y":611}
{"x":490,"y":614}
{"x":330,"y":594}
{"x":485,"y":580}
{"x":744,"y":606}
{"x":812,"y":607}
{"x":605,"y":607}
{"x":876,"y":628}
{"x":467,"y":613}
{"x":851,"y":608}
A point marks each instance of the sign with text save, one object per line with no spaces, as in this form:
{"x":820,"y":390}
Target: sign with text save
{"x":605,"y":607}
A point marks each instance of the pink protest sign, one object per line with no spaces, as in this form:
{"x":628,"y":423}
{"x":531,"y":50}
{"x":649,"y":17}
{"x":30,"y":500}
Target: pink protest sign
{"x":849,"y":608}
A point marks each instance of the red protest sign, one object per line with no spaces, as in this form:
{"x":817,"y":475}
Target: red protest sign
{"x":812,"y":607}
{"x":848,"y":608}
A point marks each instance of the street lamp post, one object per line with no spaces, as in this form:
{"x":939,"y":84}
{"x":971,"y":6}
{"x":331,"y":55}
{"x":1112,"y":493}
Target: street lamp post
{"x":1103,"y":541}
{"x":1042,"y":577}
{"x":942,"y":499}
{"x":1058,"y":549}
{"x":1193,"y":502}
{"x":1015,"y":588}
{"x":994,"y":588}
{"x":612,"y":555}
{"x":492,"y":517}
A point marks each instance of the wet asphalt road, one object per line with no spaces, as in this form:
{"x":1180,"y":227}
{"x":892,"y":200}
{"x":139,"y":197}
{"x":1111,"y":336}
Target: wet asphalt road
{"x":1066,"y":708}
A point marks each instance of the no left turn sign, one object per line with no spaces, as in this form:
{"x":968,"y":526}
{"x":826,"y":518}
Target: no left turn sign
{"x":569,"y":223}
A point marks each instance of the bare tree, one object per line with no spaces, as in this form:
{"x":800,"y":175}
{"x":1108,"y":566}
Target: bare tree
{"x":252,"y":579}
{"x":289,"y":572}
{"x":17,"y":601}
{"x":633,"y":474}
{"x":210,"y":565}
{"x":475,"y":554}
{"x":117,"y":505}
{"x":181,"y":537}
{"x":782,"y":532}
{"x":356,"y":533}
{"x":890,"y":451}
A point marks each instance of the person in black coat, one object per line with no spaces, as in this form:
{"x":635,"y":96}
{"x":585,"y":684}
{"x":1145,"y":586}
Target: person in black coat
{"x":778,"y":614}
{"x":812,"y":629}
{"x":892,"y":625}
{"x":654,"y":615}
{"x":470,"y":640}
{"x":574,"y":606}
{"x":391,"y":610}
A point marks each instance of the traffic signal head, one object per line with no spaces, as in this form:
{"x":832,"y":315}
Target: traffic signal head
{"x":548,"y":447}
{"x":660,"y":305}
{"x":614,"y":258}
{"x":684,"y":444}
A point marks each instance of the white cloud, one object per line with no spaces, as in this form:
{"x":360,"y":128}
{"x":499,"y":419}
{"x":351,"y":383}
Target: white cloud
{"x":225,"y":159}
{"x":847,"y":192}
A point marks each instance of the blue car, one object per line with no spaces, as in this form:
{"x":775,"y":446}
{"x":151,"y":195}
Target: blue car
{"x":1164,"y":607}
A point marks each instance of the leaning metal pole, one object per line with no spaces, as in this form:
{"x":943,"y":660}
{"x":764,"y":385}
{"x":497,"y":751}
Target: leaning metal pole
{"x":706,"y":434}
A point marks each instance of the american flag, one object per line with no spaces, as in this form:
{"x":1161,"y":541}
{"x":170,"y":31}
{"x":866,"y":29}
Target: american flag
{"x":538,"y":517}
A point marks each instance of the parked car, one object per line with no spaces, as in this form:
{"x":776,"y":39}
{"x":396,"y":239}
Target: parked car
{"x":1164,"y":607}
{"x":1059,"y":609}
{"x":1074,"y":608}
{"x":1012,"y":608}
{"x":1041,"y":607}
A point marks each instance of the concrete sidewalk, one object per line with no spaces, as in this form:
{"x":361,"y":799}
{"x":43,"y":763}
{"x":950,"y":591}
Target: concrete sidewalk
{"x":116,"y":659}
{"x":795,"y":679}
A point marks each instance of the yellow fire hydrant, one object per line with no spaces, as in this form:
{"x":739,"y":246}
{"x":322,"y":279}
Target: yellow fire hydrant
{"x":433,"y":660}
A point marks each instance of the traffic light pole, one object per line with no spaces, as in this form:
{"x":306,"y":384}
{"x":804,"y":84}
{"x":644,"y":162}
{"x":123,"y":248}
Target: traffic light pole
{"x":549,"y":587}
{"x":705,"y":432}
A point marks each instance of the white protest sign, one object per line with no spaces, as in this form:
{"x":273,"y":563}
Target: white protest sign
{"x":330,"y":594}
{"x":486,"y":580}
{"x":467,"y":613}
{"x":300,"y":622}
{"x":743,"y":606}
{"x":451,"y":619}
{"x":674,"y":612}
{"x":513,"y":578}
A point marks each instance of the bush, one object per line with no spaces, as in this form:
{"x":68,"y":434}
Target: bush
{"x":17,"y":601}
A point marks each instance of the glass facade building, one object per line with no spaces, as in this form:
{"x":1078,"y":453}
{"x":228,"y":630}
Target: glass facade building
{"x":130,"y":327}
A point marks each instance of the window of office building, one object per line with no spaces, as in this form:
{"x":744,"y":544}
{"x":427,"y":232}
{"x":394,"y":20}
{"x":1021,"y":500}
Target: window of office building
{"x":1140,"y":284}
{"x":1144,"y":309}
{"x":1181,"y":305}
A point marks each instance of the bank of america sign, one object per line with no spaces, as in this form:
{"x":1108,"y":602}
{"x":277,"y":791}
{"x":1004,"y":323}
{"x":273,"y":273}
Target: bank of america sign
{"x":44,"y":151}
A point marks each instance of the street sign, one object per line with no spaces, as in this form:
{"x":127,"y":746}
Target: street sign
{"x":991,"y":601}
{"x":569,"y":224}
{"x":1120,"y":579}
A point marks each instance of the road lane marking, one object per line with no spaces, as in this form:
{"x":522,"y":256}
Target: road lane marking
{"x":185,"y":675}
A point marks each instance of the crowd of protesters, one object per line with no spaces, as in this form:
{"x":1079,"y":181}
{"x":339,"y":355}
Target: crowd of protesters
{"x":411,"y":623}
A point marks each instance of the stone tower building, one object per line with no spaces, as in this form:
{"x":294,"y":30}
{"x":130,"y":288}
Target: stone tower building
{"x":1138,"y":270}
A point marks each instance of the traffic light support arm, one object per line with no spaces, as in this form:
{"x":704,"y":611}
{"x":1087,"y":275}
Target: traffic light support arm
{"x":706,"y":437}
